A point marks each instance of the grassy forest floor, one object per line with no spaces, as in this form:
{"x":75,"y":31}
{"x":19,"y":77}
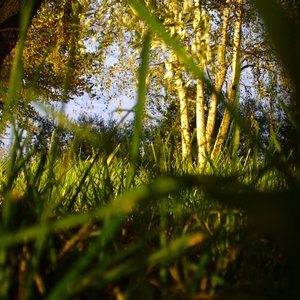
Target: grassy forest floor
{"x":71,"y":229}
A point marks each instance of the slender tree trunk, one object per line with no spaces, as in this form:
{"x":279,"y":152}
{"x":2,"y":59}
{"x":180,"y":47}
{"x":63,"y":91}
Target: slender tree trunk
{"x":199,"y":29}
{"x":222,"y":133}
{"x":184,"y":122}
{"x":200,"y":125}
{"x":219,"y":77}
{"x":176,"y":68}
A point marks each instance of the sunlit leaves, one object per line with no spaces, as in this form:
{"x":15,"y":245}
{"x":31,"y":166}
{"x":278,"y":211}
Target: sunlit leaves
{"x":55,"y":50}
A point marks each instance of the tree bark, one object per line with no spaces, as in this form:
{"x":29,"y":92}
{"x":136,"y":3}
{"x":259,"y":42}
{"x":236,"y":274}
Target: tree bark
{"x":199,"y":29}
{"x":10,"y":12}
{"x":200,"y":125}
{"x":223,"y":129}
{"x":219,"y":77}
{"x":176,"y":68}
{"x":184,"y":122}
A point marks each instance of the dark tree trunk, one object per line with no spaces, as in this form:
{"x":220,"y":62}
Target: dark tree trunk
{"x":9,"y":24}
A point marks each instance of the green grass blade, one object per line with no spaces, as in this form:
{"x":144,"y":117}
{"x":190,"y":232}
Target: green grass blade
{"x":140,"y":106}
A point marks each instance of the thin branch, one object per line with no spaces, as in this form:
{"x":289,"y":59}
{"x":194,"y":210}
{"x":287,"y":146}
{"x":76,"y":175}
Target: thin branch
{"x":9,"y":29}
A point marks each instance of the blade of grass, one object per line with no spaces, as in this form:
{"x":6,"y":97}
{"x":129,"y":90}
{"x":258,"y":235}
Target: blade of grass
{"x":139,"y":108}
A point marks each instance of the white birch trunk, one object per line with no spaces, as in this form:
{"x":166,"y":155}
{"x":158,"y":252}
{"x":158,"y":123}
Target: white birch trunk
{"x":184,"y":123}
{"x":200,"y":125}
{"x":223,"y":130}
{"x":219,"y":77}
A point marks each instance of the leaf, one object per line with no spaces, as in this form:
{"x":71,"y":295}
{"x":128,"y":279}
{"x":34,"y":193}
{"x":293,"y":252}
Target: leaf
{"x":168,"y":75}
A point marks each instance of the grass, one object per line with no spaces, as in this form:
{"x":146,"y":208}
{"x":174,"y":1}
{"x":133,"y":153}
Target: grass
{"x":72,"y":229}
{"x":118,"y":226}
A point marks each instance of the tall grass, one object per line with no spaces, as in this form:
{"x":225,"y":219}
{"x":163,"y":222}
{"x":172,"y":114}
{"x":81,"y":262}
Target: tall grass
{"x":124,"y":227}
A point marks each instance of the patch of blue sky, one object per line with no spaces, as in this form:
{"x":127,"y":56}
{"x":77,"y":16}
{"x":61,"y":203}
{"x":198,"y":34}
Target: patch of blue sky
{"x":108,"y":103}
{"x":86,"y":105}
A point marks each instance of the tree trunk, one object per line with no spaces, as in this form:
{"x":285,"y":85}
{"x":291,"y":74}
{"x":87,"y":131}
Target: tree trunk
{"x":199,"y":42}
{"x":10,"y":11}
{"x":184,"y":122}
{"x":200,"y":125}
{"x":176,"y":69}
{"x":222,"y":133}
{"x":219,"y":77}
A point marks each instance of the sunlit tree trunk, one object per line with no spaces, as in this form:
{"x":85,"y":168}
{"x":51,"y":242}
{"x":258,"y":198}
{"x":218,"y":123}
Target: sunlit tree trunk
{"x":219,"y":77}
{"x":176,"y":71}
{"x":223,"y":129}
{"x":200,"y":124}
{"x":184,"y":122}
{"x":184,"y":109}
{"x":200,"y":43}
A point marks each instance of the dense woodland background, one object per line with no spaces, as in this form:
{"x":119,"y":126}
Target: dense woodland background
{"x":191,"y":194}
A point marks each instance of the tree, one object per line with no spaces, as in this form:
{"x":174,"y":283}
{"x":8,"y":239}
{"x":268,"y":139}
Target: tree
{"x":94,"y":134}
{"x":228,"y":42}
{"x":234,"y":81}
{"x":77,"y":46}
{"x":56,"y":62}
{"x":10,"y":11}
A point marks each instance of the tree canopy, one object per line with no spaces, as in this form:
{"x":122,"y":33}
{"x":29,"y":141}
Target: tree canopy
{"x":77,"y":47}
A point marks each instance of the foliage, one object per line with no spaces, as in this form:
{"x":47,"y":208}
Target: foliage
{"x":259,"y":79}
{"x":99,"y":131}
